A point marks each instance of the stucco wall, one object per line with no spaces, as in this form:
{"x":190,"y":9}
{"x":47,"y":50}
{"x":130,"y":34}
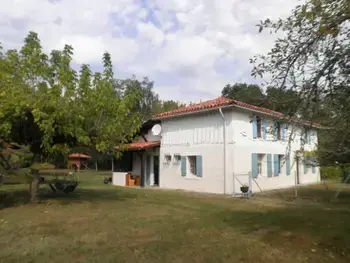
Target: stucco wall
{"x":245,"y":145}
{"x":118,"y":178}
{"x":202,"y":134}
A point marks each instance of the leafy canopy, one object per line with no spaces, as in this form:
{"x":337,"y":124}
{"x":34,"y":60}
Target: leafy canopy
{"x":46,"y":104}
{"x":312,"y":58}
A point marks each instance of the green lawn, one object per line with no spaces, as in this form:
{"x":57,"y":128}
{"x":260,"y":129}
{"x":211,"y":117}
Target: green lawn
{"x":103,"y":223}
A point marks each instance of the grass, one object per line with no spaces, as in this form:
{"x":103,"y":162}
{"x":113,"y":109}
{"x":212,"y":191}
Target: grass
{"x":103,"y":223}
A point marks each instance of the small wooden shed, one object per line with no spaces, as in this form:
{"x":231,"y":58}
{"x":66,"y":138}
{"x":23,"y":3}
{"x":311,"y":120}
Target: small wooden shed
{"x":78,"y":160}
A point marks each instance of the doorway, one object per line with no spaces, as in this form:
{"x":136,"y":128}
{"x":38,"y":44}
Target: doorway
{"x":148,"y":170}
{"x":156,"y":170}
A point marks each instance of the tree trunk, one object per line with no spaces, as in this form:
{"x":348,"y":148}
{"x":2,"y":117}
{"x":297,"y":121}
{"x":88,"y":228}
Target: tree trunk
{"x":96,"y":166}
{"x":34,"y":186}
{"x":112,"y":164}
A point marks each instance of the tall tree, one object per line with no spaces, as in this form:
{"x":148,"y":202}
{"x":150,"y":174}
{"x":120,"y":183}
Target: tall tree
{"x":47,"y":105}
{"x":313,"y":59}
{"x":249,"y":93}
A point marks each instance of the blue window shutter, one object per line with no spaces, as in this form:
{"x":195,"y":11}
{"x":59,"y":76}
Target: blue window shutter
{"x":269,"y":165}
{"x":255,"y":128}
{"x":183,"y":165}
{"x":305,"y":137}
{"x":199,"y":166}
{"x":288,"y":165}
{"x":313,"y":169}
{"x":263,"y":124}
{"x":275,"y":163}
{"x":305,"y":168}
{"x":254,"y":165}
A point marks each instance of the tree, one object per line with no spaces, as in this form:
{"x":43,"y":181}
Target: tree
{"x":312,"y":58}
{"x":285,"y":101}
{"x":248,"y":93}
{"x":48,"y":106}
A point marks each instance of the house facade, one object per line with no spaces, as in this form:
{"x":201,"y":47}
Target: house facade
{"x":216,"y":146}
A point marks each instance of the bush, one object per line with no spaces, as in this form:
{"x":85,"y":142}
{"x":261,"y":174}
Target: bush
{"x":331,"y":172}
{"x":334,"y":172}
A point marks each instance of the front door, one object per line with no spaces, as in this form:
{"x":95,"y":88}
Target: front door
{"x":148,"y":170}
{"x":156,"y":169}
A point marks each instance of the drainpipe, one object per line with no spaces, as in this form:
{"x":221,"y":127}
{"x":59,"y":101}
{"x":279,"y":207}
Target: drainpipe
{"x":224,"y":148}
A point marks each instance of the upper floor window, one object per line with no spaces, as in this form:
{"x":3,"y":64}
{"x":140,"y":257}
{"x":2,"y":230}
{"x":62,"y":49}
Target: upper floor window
{"x":307,"y":136}
{"x":258,"y":123}
{"x":259,"y":128}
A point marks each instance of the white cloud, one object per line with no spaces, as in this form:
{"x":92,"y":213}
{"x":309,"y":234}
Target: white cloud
{"x":201,"y":44}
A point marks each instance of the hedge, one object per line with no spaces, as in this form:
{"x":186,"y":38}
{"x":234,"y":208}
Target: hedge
{"x":333,"y":172}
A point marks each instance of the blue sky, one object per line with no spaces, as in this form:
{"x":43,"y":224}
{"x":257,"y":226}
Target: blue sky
{"x":189,"y":48}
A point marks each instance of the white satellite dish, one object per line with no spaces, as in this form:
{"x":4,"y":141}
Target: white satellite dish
{"x":156,"y":130}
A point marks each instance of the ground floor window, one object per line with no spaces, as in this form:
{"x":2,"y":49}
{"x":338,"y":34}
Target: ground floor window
{"x":191,"y":165}
{"x":261,"y":158}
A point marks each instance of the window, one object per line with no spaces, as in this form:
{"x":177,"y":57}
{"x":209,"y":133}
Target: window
{"x":280,"y":163}
{"x":260,"y":163}
{"x":193,"y":164}
{"x":306,"y":138}
{"x":258,"y":123}
{"x":278,"y":130}
{"x":259,"y":128}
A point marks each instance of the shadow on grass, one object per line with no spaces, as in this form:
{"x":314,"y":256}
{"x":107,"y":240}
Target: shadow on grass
{"x":17,"y":197}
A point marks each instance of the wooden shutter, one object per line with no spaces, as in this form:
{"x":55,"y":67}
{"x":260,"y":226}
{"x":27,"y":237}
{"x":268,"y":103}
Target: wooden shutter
{"x":269,"y":165}
{"x":255,"y":128}
{"x":199,"y":166}
{"x":288,"y":165}
{"x":254,"y":165}
{"x":183,"y":165}
{"x":263,"y":123}
{"x":275,"y":165}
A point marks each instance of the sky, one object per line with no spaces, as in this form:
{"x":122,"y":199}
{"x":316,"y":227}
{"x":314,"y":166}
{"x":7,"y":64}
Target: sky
{"x":190,"y":48}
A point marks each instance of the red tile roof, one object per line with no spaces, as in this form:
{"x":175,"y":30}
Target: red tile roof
{"x":210,"y":104}
{"x":138,"y":146}
{"x":79,"y":155}
{"x":221,"y":102}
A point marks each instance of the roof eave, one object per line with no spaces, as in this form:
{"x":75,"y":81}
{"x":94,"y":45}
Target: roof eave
{"x":192,"y":112}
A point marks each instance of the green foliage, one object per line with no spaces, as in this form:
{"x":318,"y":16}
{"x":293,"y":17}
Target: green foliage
{"x":312,"y":59}
{"x":249,"y":93}
{"x":46,"y":104}
{"x":331,"y":172}
{"x":281,"y":100}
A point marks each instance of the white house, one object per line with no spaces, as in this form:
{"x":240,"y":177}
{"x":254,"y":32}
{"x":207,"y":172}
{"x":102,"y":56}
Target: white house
{"x":213,"y":146}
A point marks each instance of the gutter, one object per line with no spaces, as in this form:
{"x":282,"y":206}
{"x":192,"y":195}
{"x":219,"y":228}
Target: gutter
{"x":224,"y":148}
